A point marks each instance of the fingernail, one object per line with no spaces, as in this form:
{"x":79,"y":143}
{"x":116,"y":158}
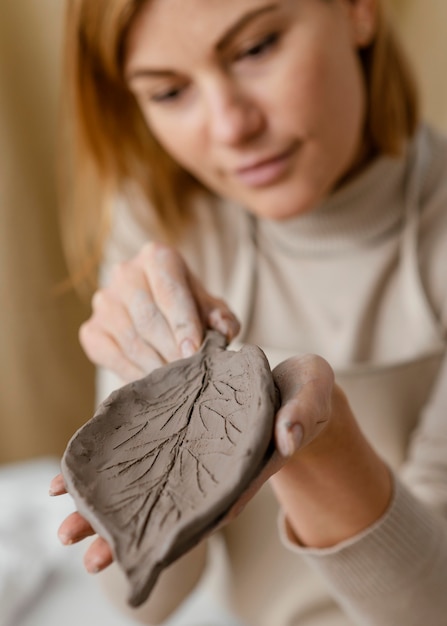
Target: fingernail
{"x":289,"y":439}
{"x":94,"y":566}
{"x":221,"y":322}
{"x":52,"y":491}
{"x":187,"y":348}
{"x":65,"y":539}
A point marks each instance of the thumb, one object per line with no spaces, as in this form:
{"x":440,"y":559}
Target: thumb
{"x":305,"y":384}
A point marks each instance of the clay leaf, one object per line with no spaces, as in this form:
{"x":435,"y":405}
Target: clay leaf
{"x":164,"y":458}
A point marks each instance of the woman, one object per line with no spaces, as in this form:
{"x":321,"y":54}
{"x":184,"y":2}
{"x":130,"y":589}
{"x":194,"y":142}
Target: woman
{"x":279,"y":144}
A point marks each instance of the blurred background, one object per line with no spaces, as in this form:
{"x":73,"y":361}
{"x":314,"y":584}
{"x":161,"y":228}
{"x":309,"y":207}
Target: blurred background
{"x":46,"y":384}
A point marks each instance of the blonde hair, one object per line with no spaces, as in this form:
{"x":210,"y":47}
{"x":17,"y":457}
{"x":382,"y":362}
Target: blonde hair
{"x":112,"y":151}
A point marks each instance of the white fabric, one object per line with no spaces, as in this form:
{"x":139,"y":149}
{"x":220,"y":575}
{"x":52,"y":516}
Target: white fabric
{"x":29,"y":554}
{"x":43,"y":583}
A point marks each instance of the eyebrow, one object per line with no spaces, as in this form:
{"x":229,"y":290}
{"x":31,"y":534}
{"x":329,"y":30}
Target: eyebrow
{"x":221,"y":44}
{"x":242,"y":23}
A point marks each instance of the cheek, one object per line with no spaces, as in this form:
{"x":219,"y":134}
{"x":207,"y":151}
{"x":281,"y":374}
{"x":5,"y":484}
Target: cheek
{"x":332,"y":98}
{"x":293,"y":97}
{"x":324,"y":93}
{"x":344,"y":99}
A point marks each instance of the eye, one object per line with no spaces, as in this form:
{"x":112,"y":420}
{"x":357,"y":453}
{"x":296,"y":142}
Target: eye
{"x":260,"y":48}
{"x":167,"y":95}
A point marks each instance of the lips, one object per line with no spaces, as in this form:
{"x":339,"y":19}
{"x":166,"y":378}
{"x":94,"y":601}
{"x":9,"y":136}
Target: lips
{"x":264,"y":172}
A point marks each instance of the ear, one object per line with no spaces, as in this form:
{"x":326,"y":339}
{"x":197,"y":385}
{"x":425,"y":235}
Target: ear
{"x":364,"y":18}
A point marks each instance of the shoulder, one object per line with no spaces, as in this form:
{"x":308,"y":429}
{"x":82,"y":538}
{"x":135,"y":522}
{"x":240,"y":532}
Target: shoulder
{"x":431,"y":145}
{"x":433,"y":217}
{"x":132,"y":224}
{"x":209,"y":242}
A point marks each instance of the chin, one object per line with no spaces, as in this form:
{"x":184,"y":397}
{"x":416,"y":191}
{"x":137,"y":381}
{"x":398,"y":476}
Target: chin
{"x":289,"y":204}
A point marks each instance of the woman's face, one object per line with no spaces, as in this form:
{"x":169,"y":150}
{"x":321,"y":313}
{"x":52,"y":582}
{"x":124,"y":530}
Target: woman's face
{"x":263,"y":101}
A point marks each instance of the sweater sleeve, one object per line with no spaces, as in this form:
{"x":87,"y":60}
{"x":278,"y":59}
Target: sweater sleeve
{"x":395,"y":572}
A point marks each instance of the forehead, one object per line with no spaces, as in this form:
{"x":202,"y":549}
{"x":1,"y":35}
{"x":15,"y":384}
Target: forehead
{"x":163,"y":29}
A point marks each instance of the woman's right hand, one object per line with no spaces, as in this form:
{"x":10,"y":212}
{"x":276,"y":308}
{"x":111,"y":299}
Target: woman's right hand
{"x":153,"y":311}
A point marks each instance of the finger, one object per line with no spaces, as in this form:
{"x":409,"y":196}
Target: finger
{"x":103,"y":350}
{"x":306,"y":386}
{"x":131,"y":287}
{"x":112,"y":318}
{"x":57,"y":486}
{"x":214,"y":311}
{"x":74,"y":528}
{"x":222,"y":320}
{"x":173,"y":295}
{"x":98,"y":556}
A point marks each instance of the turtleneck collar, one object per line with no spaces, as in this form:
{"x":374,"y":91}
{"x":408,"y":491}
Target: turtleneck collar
{"x":364,"y":209}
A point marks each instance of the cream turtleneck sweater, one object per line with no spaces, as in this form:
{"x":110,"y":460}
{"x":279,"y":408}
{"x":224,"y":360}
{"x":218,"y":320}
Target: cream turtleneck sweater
{"x":361,"y":281}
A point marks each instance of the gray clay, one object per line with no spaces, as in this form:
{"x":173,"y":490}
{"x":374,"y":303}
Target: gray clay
{"x":164,"y":458}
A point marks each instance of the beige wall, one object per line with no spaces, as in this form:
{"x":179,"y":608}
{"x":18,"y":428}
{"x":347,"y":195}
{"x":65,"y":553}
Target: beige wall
{"x":423,"y":28}
{"x":46,"y":385}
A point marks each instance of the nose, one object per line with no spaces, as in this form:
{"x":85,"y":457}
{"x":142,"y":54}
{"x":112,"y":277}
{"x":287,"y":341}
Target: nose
{"x":233,"y":115}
